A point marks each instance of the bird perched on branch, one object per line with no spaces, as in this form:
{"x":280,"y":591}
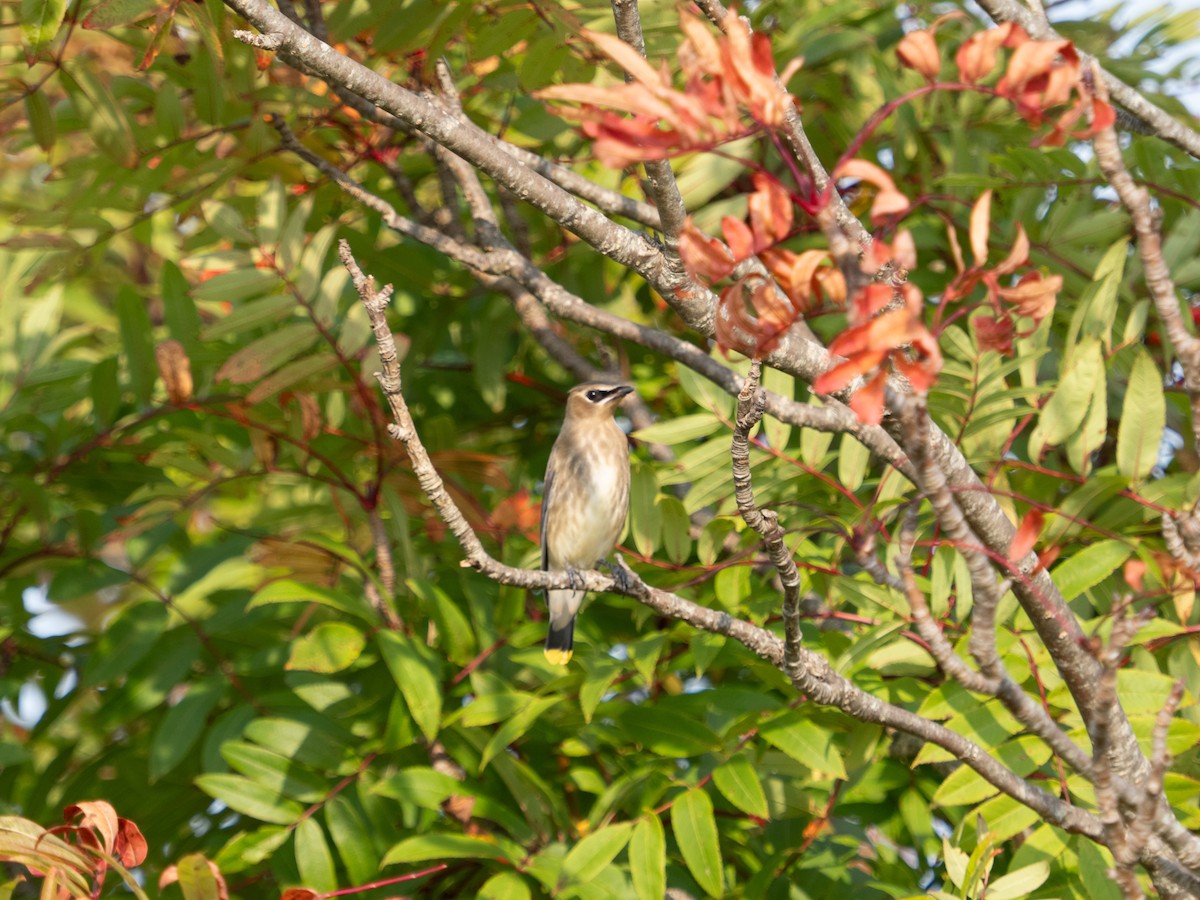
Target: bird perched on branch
{"x":585,"y":502}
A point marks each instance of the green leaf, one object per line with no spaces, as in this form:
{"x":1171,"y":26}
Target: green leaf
{"x":329,"y":647}
{"x":676,"y":529}
{"x":313,"y":858}
{"x":272,"y":209}
{"x":114,"y":13}
{"x":504,"y":886}
{"x":106,"y":120}
{"x":853,"y":459}
{"x":287,"y":591}
{"x":666,"y":732}
{"x":137,"y":337}
{"x":125,"y":642}
{"x":418,"y":678}
{"x":1064,"y":412}
{"x":599,"y":674}
{"x":1090,"y":566}
{"x":251,"y":799}
{"x":196,"y":878}
{"x":1094,"y":864}
{"x":738,"y":782}
{"x":804,"y":741}
{"x":648,"y":859}
{"x":41,"y":119}
{"x":182,"y":725}
{"x":516,"y":727}
{"x":680,"y":429}
{"x":419,"y":785}
{"x":291,"y":374}
{"x":645,"y":516}
{"x":261,"y":357}
{"x":696,"y":833}
{"x":40,"y":21}
{"x":1143,"y":418}
{"x":442,"y":846}
{"x":1021,"y":883}
{"x":592,"y":855}
{"x":274,"y":772}
{"x":351,"y":834}
{"x":309,"y":739}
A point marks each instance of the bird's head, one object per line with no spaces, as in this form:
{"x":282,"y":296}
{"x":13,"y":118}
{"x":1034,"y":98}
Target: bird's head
{"x":595,"y":399}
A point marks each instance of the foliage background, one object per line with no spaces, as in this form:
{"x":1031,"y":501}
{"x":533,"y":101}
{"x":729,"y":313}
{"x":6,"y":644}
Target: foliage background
{"x":225,"y":679}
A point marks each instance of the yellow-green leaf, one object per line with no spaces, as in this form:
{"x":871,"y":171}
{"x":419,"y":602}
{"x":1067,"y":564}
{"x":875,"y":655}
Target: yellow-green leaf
{"x":329,"y":647}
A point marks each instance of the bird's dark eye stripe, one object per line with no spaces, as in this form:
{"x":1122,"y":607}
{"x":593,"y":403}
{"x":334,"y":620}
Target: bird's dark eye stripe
{"x":597,"y":396}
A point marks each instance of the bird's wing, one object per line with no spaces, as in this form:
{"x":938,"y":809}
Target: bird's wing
{"x":546,"y":489}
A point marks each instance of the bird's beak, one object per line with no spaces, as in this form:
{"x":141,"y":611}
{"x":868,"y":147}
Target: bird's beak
{"x":622,"y":392}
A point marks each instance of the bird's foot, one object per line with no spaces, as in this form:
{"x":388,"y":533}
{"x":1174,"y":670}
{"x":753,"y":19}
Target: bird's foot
{"x":618,"y":572}
{"x":574,"y":578}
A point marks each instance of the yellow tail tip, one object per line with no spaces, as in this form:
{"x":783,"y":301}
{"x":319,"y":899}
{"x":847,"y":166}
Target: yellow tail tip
{"x":558,"y":657}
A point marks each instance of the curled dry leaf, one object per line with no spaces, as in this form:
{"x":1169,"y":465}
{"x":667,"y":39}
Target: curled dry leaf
{"x":1034,"y":295}
{"x":918,"y":50}
{"x":175,"y":369}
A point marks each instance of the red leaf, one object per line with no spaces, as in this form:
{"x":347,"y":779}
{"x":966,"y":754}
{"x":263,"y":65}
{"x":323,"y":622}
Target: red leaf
{"x":299,"y":894}
{"x":833,"y":380}
{"x":1026,"y":535}
{"x":994,"y":333}
{"x":131,"y":848}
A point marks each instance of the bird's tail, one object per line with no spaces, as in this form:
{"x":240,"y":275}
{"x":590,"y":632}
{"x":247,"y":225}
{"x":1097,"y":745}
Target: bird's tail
{"x":560,"y":638}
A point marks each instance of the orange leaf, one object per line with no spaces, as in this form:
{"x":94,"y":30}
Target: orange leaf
{"x":888,"y":205}
{"x":702,"y":255}
{"x":918,"y":50}
{"x":1135,"y":573}
{"x":771,"y":211}
{"x":977,"y":56}
{"x":1034,"y":59}
{"x":99,"y":816}
{"x":1026,"y":535}
{"x":867,"y":401}
{"x":866,"y":171}
{"x":871,"y":299}
{"x":921,"y":373}
{"x":738,"y":236}
{"x":981,"y":221}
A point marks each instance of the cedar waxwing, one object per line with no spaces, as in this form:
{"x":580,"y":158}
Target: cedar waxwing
{"x":585,"y":501}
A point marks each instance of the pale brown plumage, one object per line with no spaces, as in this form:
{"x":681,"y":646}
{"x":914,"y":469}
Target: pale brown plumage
{"x":585,"y":502}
